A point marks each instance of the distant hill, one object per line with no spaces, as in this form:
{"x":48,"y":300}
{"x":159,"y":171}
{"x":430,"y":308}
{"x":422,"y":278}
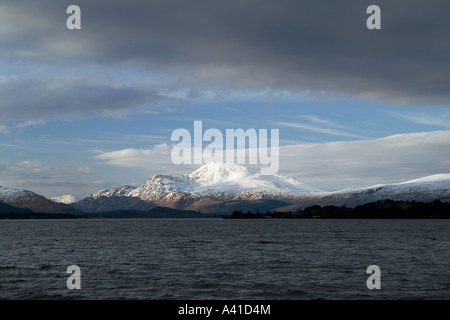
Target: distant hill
{"x":66,"y":199}
{"x":28,"y":200}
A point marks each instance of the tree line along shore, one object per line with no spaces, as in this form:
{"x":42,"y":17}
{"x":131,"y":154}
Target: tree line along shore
{"x":385,"y":209}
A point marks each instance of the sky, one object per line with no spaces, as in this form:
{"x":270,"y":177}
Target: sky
{"x":83,"y":110}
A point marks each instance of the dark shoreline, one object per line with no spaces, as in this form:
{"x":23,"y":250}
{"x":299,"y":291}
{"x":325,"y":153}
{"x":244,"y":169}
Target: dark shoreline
{"x":386,"y":209}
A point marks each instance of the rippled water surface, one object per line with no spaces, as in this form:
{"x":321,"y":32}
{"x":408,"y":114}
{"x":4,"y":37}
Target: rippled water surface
{"x":224,"y":259}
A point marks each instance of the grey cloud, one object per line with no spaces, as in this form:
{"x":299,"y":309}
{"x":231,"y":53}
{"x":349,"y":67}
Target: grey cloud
{"x":322,"y":47}
{"x":25,"y":99}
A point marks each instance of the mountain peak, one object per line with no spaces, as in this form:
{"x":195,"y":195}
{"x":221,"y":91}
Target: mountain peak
{"x":229,"y":178}
{"x":11,"y":194}
{"x":212,"y":173}
{"x":65,"y":199}
{"x":231,"y":181}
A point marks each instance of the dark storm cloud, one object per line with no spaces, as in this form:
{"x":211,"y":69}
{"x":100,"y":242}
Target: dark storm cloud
{"x":321,"y":47}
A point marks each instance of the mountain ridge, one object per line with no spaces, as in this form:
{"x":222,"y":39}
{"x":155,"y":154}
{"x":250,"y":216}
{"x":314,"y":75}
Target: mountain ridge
{"x":219,"y":188}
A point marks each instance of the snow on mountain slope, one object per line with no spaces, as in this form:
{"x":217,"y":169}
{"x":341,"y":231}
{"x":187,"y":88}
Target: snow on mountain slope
{"x":120,"y":191}
{"x":9,"y":195}
{"x":435,"y":187}
{"x":427,"y":189}
{"x":66,"y":199}
{"x":234,"y":179}
{"x":437,"y":182}
{"x":163,"y":184}
{"x":434,"y":181}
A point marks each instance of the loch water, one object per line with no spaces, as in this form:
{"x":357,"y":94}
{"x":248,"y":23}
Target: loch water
{"x":224,"y":259}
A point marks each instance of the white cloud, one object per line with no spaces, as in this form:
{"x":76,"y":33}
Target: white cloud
{"x":29,"y":123}
{"x":161,"y":149}
{"x":442,"y":120}
{"x":137,"y":158}
{"x":319,"y":129}
{"x":4,"y":129}
{"x":29,"y":167}
{"x":319,"y":120}
{"x":32,"y":172}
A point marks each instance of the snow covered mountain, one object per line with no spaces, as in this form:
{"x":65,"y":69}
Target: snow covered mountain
{"x":236,"y":179}
{"x":66,"y":199}
{"x":229,"y":180}
{"x":209,"y":184}
{"x":435,"y":187}
{"x":222,"y":188}
{"x":424,"y":189}
{"x":9,"y":195}
{"x":26,"y":199}
{"x":115,"y":192}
